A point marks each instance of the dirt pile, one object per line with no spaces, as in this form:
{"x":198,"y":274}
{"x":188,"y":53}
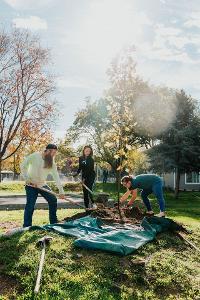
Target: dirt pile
{"x":128,"y":215}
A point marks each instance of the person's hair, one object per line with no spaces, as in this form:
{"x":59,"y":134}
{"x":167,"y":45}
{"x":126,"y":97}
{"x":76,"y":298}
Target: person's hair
{"x":48,"y":160}
{"x":126,"y":179}
{"x":88,"y":146}
{"x":51,"y":147}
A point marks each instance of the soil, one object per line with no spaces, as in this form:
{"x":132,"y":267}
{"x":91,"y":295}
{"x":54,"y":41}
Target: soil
{"x":111,"y":215}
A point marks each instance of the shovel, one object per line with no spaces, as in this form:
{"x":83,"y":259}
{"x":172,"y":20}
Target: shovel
{"x":43,"y":242}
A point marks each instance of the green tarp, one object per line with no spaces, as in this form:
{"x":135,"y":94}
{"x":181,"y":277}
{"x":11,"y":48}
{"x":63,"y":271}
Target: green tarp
{"x":92,"y":234}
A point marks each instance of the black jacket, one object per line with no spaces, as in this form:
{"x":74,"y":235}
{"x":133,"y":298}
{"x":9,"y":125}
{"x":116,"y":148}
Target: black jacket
{"x":86,"y":165}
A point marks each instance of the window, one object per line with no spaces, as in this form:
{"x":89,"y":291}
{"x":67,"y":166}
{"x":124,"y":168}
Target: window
{"x":192,"y":177}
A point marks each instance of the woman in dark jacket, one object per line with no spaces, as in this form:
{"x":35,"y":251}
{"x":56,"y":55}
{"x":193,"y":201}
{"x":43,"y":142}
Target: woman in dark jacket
{"x":86,"y":167}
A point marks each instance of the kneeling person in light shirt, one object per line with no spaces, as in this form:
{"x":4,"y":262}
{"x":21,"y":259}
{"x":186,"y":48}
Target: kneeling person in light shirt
{"x":35,"y":169}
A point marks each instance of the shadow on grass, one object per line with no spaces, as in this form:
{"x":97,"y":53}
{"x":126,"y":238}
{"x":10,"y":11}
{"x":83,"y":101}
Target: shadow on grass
{"x":11,"y":250}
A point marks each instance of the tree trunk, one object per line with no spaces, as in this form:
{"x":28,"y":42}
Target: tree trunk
{"x":0,"y":168}
{"x":177,"y":182}
{"x":118,"y":177}
{"x":14,"y":168}
{"x":118,"y":185}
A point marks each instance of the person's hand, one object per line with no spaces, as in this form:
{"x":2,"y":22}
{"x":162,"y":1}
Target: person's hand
{"x":128,"y":205}
{"x":61,"y":196}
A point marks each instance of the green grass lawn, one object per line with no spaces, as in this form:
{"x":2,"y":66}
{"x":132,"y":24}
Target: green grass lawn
{"x":172,"y":270}
{"x":17,"y":188}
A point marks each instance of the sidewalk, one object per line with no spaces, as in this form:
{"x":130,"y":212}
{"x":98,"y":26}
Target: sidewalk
{"x":16,"y":202}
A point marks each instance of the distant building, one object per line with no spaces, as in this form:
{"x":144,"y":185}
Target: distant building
{"x":7,"y":175}
{"x":189,"y":181}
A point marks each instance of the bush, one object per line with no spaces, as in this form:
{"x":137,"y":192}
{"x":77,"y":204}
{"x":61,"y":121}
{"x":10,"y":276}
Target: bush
{"x":12,"y":186}
{"x":19,"y":186}
{"x":68,"y":187}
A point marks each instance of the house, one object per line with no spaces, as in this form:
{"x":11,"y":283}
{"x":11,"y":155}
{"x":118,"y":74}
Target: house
{"x":189,"y":181}
{"x":6,"y":175}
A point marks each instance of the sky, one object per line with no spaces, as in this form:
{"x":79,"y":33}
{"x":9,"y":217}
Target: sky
{"x":84,"y":36}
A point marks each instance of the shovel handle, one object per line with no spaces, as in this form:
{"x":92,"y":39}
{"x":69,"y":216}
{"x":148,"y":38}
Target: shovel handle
{"x":85,"y":186}
{"x":57,"y":196}
{"x":39,"y":275}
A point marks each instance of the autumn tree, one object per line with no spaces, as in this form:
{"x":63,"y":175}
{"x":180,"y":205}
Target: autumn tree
{"x":13,"y":162}
{"x":66,"y":158}
{"x":104,"y":122}
{"x":137,"y":161}
{"x":26,"y":88}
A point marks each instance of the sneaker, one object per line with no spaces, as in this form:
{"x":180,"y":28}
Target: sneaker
{"x":161,"y":215}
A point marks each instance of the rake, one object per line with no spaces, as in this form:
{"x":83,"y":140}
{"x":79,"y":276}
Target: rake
{"x":57,"y":195}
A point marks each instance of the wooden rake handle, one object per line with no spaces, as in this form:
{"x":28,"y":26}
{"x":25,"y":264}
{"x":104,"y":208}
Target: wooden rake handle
{"x":56,"y":195}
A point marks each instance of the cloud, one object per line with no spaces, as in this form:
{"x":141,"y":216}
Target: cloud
{"x":108,"y":26}
{"x":171,"y":44}
{"x":58,"y":134}
{"x":193,"y":21}
{"x":32,"y":22}
{"x":75,"y":83}
{"x":175,"y":75}
{"x":29,"y":4}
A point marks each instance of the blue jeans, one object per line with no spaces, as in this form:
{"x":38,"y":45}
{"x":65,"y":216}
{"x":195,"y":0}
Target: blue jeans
{"x":31,"y":197}
{"x":158,"y":192}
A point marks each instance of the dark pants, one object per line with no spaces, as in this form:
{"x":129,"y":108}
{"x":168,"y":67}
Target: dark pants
{"x":87,"y":195}
{"x":31,"y":197}
{"x":158,"y":192}
{"x":105,"y":178}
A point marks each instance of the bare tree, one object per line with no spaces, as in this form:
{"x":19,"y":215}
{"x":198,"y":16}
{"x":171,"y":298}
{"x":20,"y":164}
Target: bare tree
{"x":26,"y":109}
